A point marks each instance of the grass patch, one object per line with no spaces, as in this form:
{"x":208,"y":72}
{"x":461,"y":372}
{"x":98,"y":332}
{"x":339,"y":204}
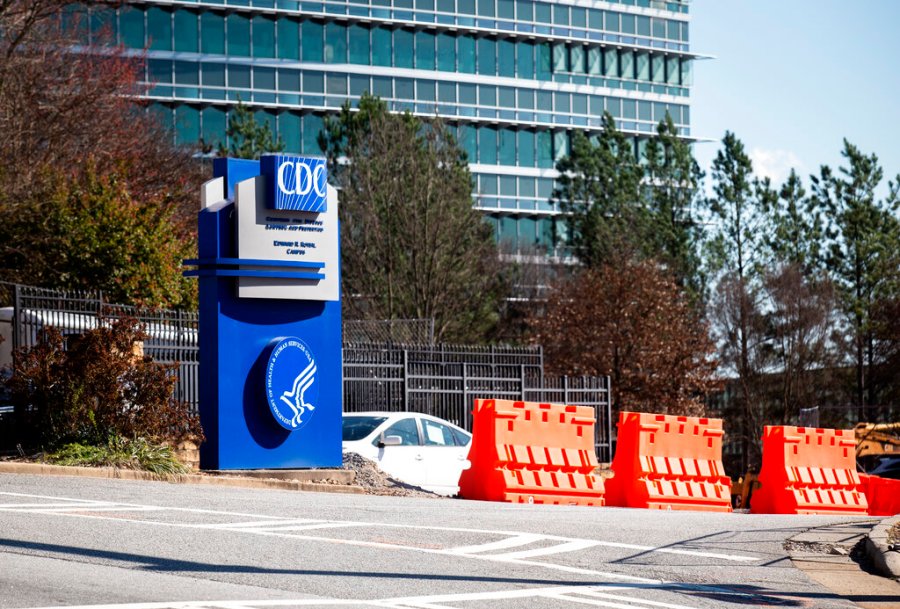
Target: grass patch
{"x":118,"y":452}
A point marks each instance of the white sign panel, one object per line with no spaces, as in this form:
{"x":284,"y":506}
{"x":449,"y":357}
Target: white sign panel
{"x":294,"y":254}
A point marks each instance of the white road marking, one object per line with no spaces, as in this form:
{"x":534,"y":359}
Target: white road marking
{"x":307,"y":527}
{"x":256,"y":523}
{"x":271,"y":521}
{"x":509,"y":542}
{"x":571,"y":546}
{"x":590,"y":594}
{"x":15,"y":506}
{"x":595,"y":593}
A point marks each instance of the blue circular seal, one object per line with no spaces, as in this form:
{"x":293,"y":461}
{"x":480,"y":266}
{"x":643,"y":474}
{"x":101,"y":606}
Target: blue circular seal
{"x":291,"y":388}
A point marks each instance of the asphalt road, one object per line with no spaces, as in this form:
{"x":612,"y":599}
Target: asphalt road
{"x":91,"y":542}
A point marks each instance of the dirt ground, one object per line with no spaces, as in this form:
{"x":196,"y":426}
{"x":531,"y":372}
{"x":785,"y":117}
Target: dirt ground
{"x":376,"y":482}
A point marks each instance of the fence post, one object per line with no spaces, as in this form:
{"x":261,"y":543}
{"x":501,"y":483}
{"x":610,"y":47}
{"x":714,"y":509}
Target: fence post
{"x":566,"y":390}
{"x":522,"y":381}
{"x":465,"y":383}
{"x":16,"y":331}
{"x":609,"y":427}
{"x":405,"y":380}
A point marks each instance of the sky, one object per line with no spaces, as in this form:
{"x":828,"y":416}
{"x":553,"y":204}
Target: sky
{"x":793,"y":78}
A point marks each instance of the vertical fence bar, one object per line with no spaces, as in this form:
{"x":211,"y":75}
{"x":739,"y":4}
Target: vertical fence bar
{"x":465,"y":388}
{"x":405,"y":380}
{"x":609,"y":436}
{"x":16,"y":332}
{"x":522,"y":381}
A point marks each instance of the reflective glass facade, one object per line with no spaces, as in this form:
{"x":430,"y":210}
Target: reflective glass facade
{"x":514,"y":78}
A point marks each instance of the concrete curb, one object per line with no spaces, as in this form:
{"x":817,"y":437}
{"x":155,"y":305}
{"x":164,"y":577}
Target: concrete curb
{"x":16,"y":467}
{"x":883,"y":558}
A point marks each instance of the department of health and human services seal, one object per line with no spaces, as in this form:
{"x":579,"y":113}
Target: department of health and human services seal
{"x":291,"y":388}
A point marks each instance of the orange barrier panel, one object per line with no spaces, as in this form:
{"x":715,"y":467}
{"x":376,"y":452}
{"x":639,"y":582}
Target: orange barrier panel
{"x":669,"y":462}
{"x":525,"y":452}
{"x":882,"y":495}
{"x":808,"y":471}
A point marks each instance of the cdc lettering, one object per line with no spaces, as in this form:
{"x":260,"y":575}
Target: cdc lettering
{"x":305,"y":178}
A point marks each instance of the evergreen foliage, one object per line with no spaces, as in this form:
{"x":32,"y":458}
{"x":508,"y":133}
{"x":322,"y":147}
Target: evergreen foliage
{"x":248,"y":139}
{"x":412,"y":246}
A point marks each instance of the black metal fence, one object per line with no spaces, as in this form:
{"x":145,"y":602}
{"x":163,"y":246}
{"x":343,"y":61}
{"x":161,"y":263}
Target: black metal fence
{"x":442,"y":380}
{"x":172,"y":334}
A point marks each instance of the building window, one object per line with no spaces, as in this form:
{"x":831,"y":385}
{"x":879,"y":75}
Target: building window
{"x":544,"y":61}
{"x":525,"y":60}
{"x":186,"y":34}
{"x":288,"y":39}
{"x":213,"y":75}
{"x":359,"y":44}
{"x":506,"y":58}
{"x":466,"y":46}
{"x":263,"y":36}
{"x":212,"y":33}
{"x":507,"y":147}
{"x":238,"y":76}
{"x":312,"y":125}
{"x":526,"y":149}
{"x":381,"y":46}
{"x":289,"y":131}
{"x":544,"y":149}
{"x":404,"y":50}
{"x":335,"y":43}
{"x":610,"y":63}
{"x":187,"y":125}
{"x":238,"y":35}
{"x":658,"y":68}
{"x":159,"y":28}
{"x":626,"y":64}
{"x":131,"y":26}
{"x":487,"y":145}
{"x":487,"y":56}
{"x":359,"y":84}
{"x":446,"y":52}
{"x":312,"y":41}
{"x":468,"y":142}
{"x":425,"y":50}
{"x":214,"y":124}
{"x":264,"y":78}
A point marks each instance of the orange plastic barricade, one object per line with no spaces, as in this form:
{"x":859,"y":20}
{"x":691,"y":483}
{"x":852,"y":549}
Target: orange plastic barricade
{"x":525,"y":452}
{"x":882,"y":495}
{"x":806,"y":470}
{"x":669,"y":462}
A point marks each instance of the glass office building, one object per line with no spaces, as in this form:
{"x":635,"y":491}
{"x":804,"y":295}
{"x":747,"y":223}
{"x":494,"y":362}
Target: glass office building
{"x":513,"y":78}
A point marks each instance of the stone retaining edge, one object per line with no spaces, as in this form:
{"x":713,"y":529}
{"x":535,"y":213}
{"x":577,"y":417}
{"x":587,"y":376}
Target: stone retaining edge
{"x":883,"y":558}
{"x":45,"y":469}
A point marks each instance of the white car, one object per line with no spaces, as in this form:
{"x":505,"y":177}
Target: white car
{"x":414,"y":448}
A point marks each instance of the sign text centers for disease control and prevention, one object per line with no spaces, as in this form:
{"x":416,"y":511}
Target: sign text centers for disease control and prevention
{"x":293,"y":247}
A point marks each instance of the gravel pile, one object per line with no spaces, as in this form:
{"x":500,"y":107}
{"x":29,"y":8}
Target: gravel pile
{"x":375,"y":482}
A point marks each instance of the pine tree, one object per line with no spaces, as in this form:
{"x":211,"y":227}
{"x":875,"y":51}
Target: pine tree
{"x":247,"y":138}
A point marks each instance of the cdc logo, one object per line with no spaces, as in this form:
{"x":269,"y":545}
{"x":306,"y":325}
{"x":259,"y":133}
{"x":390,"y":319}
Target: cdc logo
{"x":295,"y":183}
{"x":291,"y":388}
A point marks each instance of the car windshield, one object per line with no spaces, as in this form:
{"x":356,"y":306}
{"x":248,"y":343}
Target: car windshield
{"x":357,"y":428}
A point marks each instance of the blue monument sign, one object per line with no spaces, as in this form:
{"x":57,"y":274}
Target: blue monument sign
{"x":270,"y":315}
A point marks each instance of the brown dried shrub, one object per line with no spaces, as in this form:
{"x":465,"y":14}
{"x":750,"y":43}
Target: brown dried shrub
{"x":94,"y":387}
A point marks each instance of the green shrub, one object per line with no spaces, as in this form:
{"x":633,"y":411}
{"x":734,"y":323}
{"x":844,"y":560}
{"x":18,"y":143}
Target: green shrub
{"x":119,"y":452}
{"x":92,"y":388}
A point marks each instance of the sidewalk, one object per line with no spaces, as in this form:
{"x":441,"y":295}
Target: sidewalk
{"x":827,"y":555}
